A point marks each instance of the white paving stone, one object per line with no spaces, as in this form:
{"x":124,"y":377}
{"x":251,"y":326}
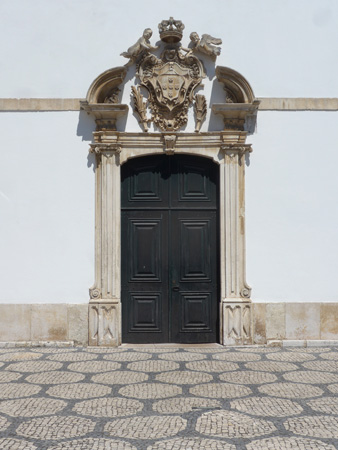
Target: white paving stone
{"x":149,"y":427}
{"x":181,"y":405}
{"x":314,"y":426}
{"x":220,"y":390}
{"x":78,"y":390}
{"x":150,"y":390}
{"x":184,"y":377}
{"x":212,"y":366}
{"x":16,"y":444}
{"x":265,"y":406}
{"x":120,"y":377}
{"x":32,"y":407}
{"x":230,"y":424}
{"x":291,"y":390}
{"x":55,"y":427}
{"x":17,"y":390}
{"x":288,"y":443}
{"x":248,"y":377}
{"x":108,"y":407}
{"x":55,"y":377}
{"x":94,"y":444}
{"x":191,"y":443}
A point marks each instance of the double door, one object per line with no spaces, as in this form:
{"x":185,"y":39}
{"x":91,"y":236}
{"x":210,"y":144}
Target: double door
{"x":169,"y":247}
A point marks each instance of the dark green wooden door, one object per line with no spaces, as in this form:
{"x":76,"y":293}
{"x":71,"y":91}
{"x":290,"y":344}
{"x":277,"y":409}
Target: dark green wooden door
{"x":169,"y":247}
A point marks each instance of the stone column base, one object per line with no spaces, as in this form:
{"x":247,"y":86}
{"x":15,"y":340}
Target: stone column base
{"x":237,"y":323}
{"x":104,"y":324}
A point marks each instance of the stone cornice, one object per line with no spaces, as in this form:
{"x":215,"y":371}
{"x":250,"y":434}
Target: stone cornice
{"x":73,"y":104}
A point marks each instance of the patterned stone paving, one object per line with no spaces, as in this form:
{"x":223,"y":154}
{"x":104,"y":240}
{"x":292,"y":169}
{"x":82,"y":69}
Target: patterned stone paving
{"x":169,"y":398}
{"x":232,"y":425}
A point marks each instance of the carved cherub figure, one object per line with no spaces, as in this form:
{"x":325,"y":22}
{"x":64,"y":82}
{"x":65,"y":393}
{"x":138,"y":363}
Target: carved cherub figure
{"x":207,"y":44}
{"x":142,"y":45}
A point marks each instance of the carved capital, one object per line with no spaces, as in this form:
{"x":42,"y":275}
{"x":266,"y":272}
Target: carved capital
{"x":234,"y":149}
{"x":169,"y":143}
{"x":108,"y":149}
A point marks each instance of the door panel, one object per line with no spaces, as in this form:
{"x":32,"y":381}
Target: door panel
{"x":145,"y":312}
{"x":144,"y":276}
{"x":194,"y":276}
{"x":195,"y":249}
{"x":145,"y":249}
{"x":169,"y":250}
{"x":145,"y":184}
{"x":193,"y":183}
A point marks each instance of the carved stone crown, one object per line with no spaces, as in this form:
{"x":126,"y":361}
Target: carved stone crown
{"x":171,"y":31}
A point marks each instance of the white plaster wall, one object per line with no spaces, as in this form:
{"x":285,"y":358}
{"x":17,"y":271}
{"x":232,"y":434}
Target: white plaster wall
{"x":47,"y":209}
{"x":55,"y":48}
{"x":291,"y":207}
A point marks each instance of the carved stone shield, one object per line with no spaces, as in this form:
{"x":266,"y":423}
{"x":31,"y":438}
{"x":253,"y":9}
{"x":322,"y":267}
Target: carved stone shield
{"x":171,"y":81}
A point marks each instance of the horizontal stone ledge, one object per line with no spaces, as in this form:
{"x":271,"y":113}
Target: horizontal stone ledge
{"x":39,"y":104}
{"x":302,"y":343}
{"x":43,"y":344}
{"x":298,"y":104}
{"x":73,"y":104}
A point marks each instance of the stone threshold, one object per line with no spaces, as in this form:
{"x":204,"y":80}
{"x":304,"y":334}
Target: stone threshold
{"x":73,"y":104}
{"x":171,"y":345}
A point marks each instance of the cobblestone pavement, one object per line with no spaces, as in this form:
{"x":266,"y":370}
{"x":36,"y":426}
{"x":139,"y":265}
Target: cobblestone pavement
{"x":169,"y":398}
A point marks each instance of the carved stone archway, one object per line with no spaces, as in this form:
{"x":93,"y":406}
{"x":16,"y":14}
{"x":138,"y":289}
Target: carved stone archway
{"x":113,"y":148}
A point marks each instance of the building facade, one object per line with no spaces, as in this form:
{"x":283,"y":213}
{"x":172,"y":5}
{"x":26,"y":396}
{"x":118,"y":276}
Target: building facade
{"x":179,"y":230}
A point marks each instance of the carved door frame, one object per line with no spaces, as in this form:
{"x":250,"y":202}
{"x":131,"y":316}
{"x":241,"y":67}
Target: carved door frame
{"x":113,"y":150}
{"x":227,"y":148}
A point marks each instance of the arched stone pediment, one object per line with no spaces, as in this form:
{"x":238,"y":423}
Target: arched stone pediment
{"x":104,"y":85}
{"x":237,"y":88}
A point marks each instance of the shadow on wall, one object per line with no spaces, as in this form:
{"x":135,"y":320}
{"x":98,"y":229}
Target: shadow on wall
{"x":85,"y":127}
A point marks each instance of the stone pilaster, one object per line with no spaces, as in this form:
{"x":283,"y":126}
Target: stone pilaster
{"x":104,"y":307}
{"x":235,"y":292}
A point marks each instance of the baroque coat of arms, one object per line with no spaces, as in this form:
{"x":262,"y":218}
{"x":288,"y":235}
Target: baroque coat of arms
{"x":171,"y":79}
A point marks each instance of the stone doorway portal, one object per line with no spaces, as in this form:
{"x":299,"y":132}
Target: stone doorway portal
{"x":167,"y":84}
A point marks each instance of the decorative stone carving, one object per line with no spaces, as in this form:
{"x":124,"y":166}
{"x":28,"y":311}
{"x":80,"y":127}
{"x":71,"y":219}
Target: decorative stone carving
{"x":169,"y":143}
{"x":104,"y":324}
{"x":94,"y":293}
{"x":140,"y":106}
{"x":171,"y":31}
{"x":207,"y":44}
{"x":98,"y":149}
{"x":237,"y":323}
{"x":240,"y":108}
{"x":104,"y":84}
{"x":106,"y":114}
{"x":141,"y":46}
{"x":113,"y":96}
{"x":200,"y":108}
{"x":170,"y":81}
